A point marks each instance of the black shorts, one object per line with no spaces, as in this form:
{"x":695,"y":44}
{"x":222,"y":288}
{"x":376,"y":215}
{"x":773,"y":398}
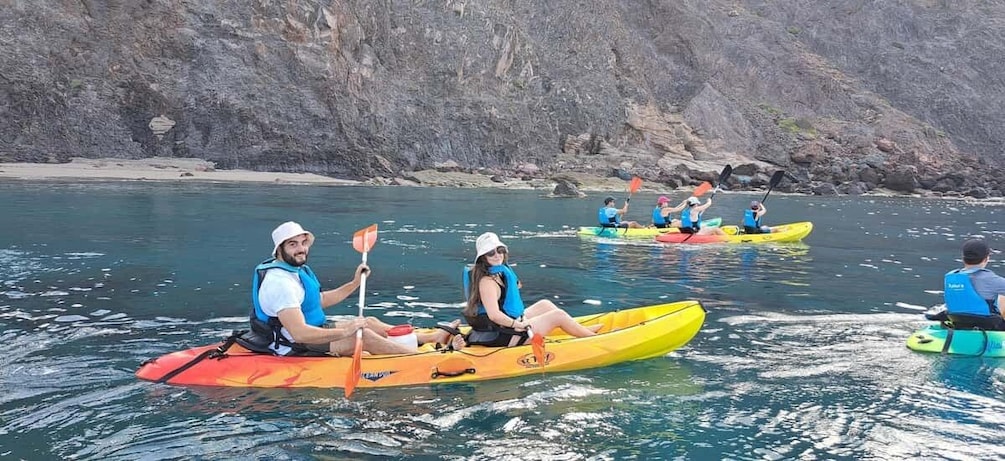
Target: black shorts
{"x":688,"y":230}
{"x":619,"y":225}
{"x":495,"y":338}
{"x":752,"y":230}
{"x":662,"y":226}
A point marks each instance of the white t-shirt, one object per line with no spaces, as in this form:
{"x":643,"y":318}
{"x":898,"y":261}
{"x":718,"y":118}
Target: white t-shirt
{"x":280,"y":289}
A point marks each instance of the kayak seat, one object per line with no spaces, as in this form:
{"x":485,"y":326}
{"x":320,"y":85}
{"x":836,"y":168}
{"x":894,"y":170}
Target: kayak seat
{"x":254,"y":341}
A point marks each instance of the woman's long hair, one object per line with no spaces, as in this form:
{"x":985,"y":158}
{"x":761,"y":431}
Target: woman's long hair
{"x":480,"y":269}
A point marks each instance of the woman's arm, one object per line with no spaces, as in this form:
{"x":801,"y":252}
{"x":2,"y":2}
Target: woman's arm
{"x":489,"y":291}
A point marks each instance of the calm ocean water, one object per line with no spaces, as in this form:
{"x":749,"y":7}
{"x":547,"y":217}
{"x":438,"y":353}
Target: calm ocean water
{"x":802,"y":355}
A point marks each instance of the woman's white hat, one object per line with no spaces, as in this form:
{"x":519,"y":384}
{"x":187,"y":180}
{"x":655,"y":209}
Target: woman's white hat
{"x":692,"y":200}
{"x":486,"y":243}
{"x":286,"y":231}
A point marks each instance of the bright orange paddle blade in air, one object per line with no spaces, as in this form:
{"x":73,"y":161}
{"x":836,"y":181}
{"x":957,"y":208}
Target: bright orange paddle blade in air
{"x":364,"y":239}
{"x":702,"y":189}
{"x":634,"y":186}
{"x":352,"y":379}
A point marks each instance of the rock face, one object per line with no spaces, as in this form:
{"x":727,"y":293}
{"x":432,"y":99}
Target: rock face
{"x":836,"y":94}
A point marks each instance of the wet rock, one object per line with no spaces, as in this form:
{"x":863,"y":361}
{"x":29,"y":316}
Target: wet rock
{"x":902,"y":179}
{"x":825,"y":188}
{"x":853,"y":188}
{"x":977,"y":192}
{"x":564,"y":188}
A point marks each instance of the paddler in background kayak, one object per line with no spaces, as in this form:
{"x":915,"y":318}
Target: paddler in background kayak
{"x":752,"y":219}
{"x":288,"y":317}
{"x":495,"y":309}
{"x":608,"y":216}
{"x":974,"y":294}
{"x":663,"y":213}
{"x":690,"y":219}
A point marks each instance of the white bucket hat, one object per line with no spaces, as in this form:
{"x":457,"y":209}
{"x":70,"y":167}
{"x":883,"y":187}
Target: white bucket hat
{"x":487,"y":242}
{"x":286,"y":231}
{"x":692,"y":200}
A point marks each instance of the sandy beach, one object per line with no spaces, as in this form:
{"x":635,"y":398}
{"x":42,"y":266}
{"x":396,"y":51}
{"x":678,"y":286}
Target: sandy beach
{"x":153,"y":169}
{"x":182,"y":170}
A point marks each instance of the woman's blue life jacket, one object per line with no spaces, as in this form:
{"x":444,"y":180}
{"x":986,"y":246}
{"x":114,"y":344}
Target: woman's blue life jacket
{"x":608,"y":215}
{"x":748,"y":218}
{"x":962,"y":298}
{"x":510,"y":302}
{"x":685,"y":219}
{"x":658,"y":218}
{"x":312,"y":309}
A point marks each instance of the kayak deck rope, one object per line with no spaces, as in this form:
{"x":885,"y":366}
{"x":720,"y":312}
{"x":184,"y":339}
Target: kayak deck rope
{"x":219,"y":352}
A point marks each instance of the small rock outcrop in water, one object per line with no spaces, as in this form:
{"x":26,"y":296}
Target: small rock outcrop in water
{"x":836,"y":94}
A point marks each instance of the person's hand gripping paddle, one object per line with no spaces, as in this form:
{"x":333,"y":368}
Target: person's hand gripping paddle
{"x":727,"y":171}
{"x":362,"y":241}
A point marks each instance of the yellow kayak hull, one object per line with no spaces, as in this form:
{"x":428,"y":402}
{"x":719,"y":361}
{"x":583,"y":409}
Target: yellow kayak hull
{"x":779,"y":234}
{"x":626,"y":335}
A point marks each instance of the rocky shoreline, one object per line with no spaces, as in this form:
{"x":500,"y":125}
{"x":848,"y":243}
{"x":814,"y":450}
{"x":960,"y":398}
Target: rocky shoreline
{"x":564,"y":184}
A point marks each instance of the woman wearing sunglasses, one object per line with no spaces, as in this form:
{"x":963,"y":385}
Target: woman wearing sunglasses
{"x":495,"y":310}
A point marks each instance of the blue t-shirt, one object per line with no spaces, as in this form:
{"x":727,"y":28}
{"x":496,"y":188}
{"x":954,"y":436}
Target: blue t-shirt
{"x":988,"y":284}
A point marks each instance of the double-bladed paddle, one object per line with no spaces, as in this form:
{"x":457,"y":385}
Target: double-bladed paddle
{"x":775,"y":179}
{"x":362,"y":241}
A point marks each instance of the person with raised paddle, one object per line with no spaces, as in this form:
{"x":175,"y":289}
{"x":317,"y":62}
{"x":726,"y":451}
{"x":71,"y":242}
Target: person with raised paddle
{"x":690,"y":219}
{"x":663,"y":213}
{"x":288,"y":316}
{"x":974,"y":294}
{"x":752,"y":216}
{"x":752,"y":219}
{"x":609,"y":216}
{"x":496,"y":311}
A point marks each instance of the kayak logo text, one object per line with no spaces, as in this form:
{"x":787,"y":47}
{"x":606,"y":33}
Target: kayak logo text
{"x":529,"y":361}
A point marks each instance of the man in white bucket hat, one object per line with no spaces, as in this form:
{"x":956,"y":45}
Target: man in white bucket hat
{"x":289,"y":305}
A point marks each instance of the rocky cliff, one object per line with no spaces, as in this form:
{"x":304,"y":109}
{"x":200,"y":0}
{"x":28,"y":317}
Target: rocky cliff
{"x":846,"y":95}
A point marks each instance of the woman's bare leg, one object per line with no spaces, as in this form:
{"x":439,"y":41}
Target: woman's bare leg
{"x":549,"y":316}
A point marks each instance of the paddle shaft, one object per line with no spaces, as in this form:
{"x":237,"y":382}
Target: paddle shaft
{"x":775,"y":179}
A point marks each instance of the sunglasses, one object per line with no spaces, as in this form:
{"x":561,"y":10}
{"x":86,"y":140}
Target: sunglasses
{"x":500,"y":250}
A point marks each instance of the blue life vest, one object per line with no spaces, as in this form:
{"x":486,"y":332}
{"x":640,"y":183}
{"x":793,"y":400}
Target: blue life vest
{"x":608,"y":217}
{"x":685,"y":219}
{"x":961,"y":296}
{"x":658,"y":218}
{"x":510,"y":302}
{"x":314,"y":313}
{"x":749,"y":220}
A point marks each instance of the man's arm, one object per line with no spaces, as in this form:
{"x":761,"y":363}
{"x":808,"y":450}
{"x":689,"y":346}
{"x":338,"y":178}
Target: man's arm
{"x":332,"y":297}
{"x":293,"y":320}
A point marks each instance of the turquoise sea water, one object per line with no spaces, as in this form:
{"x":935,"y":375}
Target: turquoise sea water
{"x":802,"y":355}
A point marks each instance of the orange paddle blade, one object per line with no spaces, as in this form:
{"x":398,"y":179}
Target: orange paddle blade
{"x":537,"y":343}
{"x":364,"y":239}
{"x":634,"y":186}
{"x":702,"y":189}
{"x":352,"y":379}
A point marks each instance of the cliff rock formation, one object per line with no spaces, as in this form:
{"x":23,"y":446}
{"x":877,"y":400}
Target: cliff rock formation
{"x":845,"y":95}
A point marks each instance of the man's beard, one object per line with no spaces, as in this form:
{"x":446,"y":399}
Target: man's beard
{"x":290,"y":259}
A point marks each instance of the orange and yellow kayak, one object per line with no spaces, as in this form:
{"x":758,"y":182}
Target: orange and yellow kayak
{"x":626,"y":335}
